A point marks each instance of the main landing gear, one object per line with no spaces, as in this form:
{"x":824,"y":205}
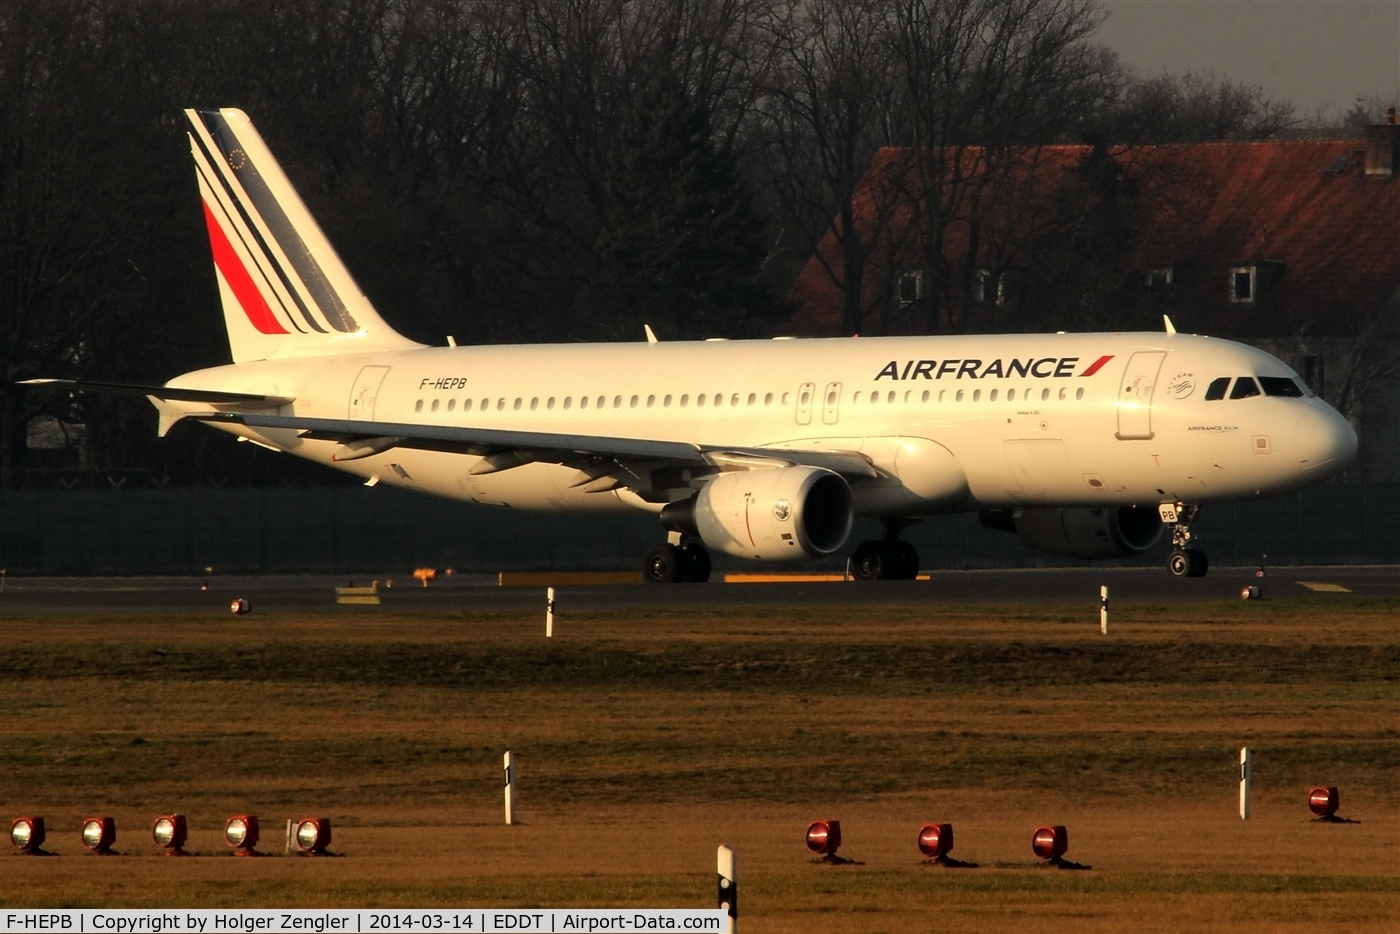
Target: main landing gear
{"x":890,"y":559}
{"x":676,"y":562}
{"x":1185,"y":561}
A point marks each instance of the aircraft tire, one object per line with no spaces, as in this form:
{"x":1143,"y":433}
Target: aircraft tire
{"x":663,"y":565}
{"x":1200,"y":564}
{"x":868,"y":561}
{"x":695,"y":563}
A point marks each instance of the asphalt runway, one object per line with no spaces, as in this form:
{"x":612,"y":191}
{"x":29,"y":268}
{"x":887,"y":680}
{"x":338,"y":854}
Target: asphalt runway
{"x":168,"y":596}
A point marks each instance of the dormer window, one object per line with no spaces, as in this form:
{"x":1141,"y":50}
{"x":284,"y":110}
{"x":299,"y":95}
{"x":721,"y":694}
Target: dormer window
{"x":1243,"y":284}
{"x":1159,"y":278}
{"x":990,"y":288}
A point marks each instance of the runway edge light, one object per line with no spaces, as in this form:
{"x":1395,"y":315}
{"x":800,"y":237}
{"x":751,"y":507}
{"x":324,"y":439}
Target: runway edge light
{"x":241,"y":833}
{"x":824,"y":839}
{"x":1049,"y":843}
{"x":28,"y":835}
{"x":99,"y":834}
{"x":170,"y":832}
{"x":728,"y":885}
{"x":1323,"y":801}
{"x":936,"y":842}
{"x":313,"y":836}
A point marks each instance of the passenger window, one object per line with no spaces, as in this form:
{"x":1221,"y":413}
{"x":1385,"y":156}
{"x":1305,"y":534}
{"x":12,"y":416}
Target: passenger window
{"x":753,"y":397}
{"x":941,"y":394}
{"x":1216,"y":389}
{"x":1079,"y":393}
{"x":768,"y":399}
{"x":467,"y":405}
{"x":992,"y":396}
{"x":485,"y":404}
{"x":418,"y":406}
{"x":651,"y":401}
{"x":1244,"y":388}
{"x":501,"y":404}
{"x":1062,"y":395}
{"x":632,"y":403}
{"x":568,"y":401}
{"x":958,"y":397}
{"x":890,"y":398}
{"x":550,"y":404}
{"x":1010,"y":395}
{"x":685,"y":399}
{"x":786,"y":397}
{"x":1280,"y":386}
{"x":666,"y":402}
{"x":435,"y":405}
{"x":976,"y":395}
{"x":534,"y":403}
{"x":583,"y":402}
{"x":602,"y":400}
{"x":451,"y":405}
{"x":517,"y":404}
{"x":617,"y":402}
{"x":699,"y":401}
{"x":874,"y":398}
{"x":735,"y":400}
{"x":1044,"y":394}
{"x":925,"y":395}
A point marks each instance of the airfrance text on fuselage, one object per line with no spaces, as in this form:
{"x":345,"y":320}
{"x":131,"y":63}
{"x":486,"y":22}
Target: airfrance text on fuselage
{"x":1041,"y":368}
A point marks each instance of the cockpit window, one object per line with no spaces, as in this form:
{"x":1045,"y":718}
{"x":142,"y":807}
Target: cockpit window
{"x":1216,"y":389}
{"x":1245,"y":387}
{"x":1280,"y":386}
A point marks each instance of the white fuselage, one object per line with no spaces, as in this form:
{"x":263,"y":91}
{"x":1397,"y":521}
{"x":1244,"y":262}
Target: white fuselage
{"x":1018,"y":413}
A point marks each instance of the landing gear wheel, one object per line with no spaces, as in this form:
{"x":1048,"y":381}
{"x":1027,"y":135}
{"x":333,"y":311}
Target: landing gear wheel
{"x":663,"y":565}
{"x":695,"y":563}
{"x":1189,"y":562}
{"x":868,"y":561}
{"x":903,"y":561}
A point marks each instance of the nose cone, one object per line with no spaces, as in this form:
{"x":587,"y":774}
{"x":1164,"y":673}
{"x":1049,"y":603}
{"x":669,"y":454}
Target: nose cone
{"x":1325,"y":443}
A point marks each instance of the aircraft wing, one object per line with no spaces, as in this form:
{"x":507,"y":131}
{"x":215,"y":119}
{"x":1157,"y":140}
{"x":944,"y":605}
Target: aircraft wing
{"x":210,"y":397}
{"x":502,"y":450}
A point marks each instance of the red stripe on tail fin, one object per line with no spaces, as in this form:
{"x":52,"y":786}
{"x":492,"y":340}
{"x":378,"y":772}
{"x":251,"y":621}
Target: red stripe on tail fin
{"x":244,"y":289}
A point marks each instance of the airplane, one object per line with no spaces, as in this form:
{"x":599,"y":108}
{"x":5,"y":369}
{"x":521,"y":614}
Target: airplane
{"x":1087,"y":445}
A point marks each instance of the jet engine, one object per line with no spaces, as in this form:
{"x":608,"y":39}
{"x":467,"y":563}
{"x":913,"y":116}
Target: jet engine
{"x":1094,"y":532}
{"x":772,"y":514}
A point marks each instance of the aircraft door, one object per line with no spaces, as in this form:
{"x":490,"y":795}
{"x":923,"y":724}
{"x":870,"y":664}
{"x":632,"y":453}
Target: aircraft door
{"x":1135,"y":395}
{"x":831,"y":404}
{"x":365,"y":392}
{"x":804,"y":403}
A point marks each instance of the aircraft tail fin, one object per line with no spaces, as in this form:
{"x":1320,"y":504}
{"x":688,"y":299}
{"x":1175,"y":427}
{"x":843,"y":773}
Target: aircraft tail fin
{"x":284,"y":290}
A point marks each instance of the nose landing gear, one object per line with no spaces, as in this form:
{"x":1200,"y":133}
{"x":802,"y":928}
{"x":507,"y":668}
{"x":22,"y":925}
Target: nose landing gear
{"x":1185,"y":561}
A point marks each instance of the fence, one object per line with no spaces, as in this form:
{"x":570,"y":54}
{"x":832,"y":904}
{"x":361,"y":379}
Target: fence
{"x":353,"y":529}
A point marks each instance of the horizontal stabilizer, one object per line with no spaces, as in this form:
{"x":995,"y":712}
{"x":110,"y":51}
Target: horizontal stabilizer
{"x":167,"y":393}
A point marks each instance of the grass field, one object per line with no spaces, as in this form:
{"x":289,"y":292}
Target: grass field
{"x":645,"y":740}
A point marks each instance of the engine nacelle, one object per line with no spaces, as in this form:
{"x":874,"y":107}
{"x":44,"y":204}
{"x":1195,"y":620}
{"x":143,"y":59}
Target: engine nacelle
{"x":778,"y":514}
{"x":1094,"y":532}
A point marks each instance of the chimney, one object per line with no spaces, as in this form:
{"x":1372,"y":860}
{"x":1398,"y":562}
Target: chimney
{"x":1383,"y":146}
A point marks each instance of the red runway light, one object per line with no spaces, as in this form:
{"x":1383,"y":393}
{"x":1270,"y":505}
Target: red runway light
{"x":27,"y":834}
{"x":1050,"y":843}
{"x":314,"y":835}
{"x":170,"y":833}
{"x":824,"y":839}
{"x":99,"y":833}
{"x":241,"y":833}
{"x":1324,"y":801}
{"x":935,"y":840}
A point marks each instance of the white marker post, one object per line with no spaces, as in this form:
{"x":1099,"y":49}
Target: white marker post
{"x":549,"y":613}
{"x":510,"y":788}
{"x":287,"y":847}
{"x":1103,"y":608}
{"x":1245,"y":768}
{"x":728,"y":886}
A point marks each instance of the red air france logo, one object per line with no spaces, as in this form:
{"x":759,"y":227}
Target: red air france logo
{"x":972,"y":368}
